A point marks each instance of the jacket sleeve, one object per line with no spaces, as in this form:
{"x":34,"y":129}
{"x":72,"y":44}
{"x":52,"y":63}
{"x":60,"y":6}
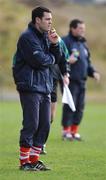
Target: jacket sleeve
{"x":63,"y":64}
{"x":91,"y":69}
{"x":56,"y":51}
{"x":32,"y":52}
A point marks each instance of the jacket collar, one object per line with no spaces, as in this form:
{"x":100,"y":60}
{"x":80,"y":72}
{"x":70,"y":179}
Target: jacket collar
{"x":79,"y":38}
{"x":36,"y":31}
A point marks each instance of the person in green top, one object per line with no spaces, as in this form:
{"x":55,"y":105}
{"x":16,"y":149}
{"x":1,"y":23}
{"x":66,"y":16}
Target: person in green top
{"x":58,"y":78}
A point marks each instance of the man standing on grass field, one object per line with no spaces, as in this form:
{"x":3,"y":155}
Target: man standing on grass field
{"x":37,"y":50}
{"x":81,"y":68}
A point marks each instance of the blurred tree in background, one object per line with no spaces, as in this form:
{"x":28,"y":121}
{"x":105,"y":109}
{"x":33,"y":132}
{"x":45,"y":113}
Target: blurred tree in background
{"x":15,"y":15}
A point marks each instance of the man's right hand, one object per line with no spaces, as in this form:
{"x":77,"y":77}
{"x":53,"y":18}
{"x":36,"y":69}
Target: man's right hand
{"x":53,"y":36}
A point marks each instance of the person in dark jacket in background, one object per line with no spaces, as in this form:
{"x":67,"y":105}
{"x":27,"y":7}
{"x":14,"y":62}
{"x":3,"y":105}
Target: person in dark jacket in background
{"x":37,"y":50}
{"x":60,"y":76}
{"x":81,"y":68}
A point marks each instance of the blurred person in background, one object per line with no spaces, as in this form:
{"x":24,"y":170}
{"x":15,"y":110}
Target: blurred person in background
{"x":81,"y":68}
{"x":37,"y":50}
{"x":60,"y":76}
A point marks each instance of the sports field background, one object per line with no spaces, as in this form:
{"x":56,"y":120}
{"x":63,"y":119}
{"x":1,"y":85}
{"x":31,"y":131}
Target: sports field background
{"x":84,"y":160}
{"x":69,"y":160}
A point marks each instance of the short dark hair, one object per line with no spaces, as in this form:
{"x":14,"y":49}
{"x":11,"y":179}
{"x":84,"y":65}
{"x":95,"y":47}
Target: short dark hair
{"x":74,"y":23}
{"x":39,"y":12}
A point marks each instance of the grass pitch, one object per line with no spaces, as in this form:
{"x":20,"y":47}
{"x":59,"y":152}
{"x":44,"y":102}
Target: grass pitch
{"x":84,"y":160}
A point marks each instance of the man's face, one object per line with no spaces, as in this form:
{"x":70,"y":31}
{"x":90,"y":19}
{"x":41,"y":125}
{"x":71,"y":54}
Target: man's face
{"x":44,"y":24}
{"x":79,"y":31}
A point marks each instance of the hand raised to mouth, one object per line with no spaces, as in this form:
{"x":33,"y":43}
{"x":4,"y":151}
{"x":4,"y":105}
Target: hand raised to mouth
{"x":53,"y":36}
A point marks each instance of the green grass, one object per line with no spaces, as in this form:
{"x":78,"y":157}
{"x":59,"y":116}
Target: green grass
{"x":84,"y":160}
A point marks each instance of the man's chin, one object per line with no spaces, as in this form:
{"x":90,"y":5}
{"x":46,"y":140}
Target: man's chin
{"x":46,"y":30}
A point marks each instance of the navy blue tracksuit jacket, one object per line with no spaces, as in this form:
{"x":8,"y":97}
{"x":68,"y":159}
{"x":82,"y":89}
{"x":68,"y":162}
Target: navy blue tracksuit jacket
{"x":79,"y":72}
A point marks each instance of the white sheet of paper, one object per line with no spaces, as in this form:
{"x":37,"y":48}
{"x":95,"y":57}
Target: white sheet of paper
{"x":67,"y":98}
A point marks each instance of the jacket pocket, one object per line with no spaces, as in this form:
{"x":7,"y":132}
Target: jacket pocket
{"x":23,"y":75}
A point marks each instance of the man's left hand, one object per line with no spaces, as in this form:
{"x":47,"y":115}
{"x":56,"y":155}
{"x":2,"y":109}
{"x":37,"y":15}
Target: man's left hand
{"x":96,"y":75}
{"x":66,"y":80}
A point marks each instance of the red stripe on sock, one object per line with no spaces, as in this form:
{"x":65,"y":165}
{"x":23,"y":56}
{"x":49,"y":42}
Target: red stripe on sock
{"x":34,"y":154}
{"x":74,"y":129}
{"x":24,"y":155}
{"x":66,"y":129}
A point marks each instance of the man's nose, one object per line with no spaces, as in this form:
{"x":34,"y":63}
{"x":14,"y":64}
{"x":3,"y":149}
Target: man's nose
{"x":50,"y":22}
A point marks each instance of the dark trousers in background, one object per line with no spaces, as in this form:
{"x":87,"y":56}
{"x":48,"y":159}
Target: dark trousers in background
{"x":68,"y":116}
{"x":36,"y":119}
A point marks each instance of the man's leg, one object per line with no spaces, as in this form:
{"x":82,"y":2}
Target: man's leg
{"x":53,"y":107}
{"x":68,"y":114}
{"x":53,"y":110}
{"x":41,"y":135}
{"x":44,"y":121}
{"x":30,"y":107}
{"x":79,"y":114}
{"x":54,"y":99}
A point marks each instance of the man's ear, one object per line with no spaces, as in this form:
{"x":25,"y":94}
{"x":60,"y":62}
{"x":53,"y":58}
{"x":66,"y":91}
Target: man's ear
{"x":37,"y":20}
